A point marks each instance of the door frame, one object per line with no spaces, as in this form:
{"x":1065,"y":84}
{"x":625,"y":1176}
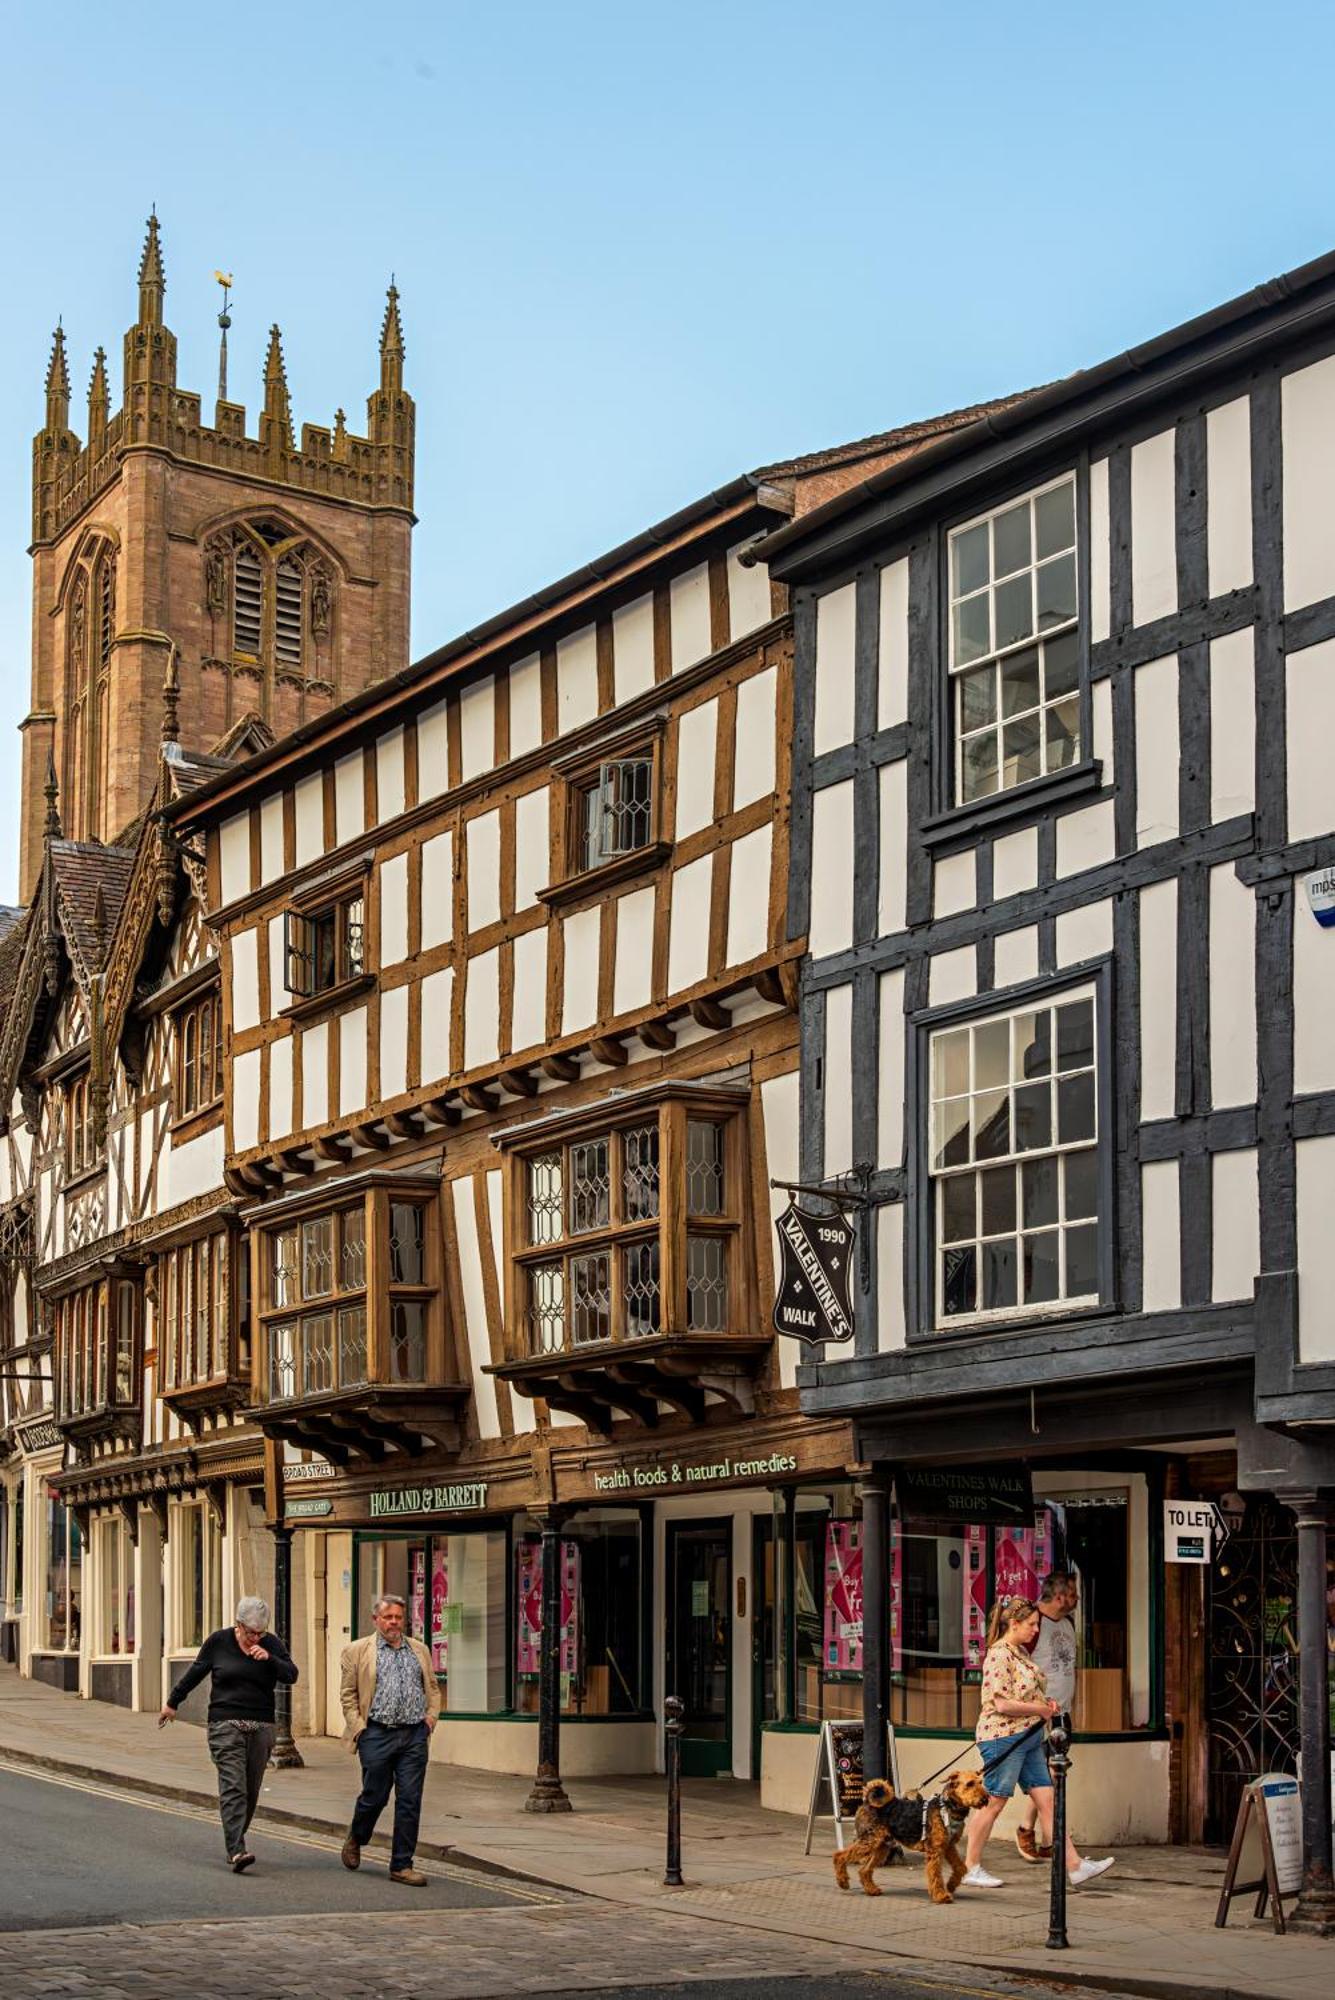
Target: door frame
{"x":722,"y":1526}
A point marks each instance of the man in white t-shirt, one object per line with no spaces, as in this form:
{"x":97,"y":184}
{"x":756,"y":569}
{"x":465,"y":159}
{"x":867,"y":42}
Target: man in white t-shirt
{"x":1054,"y":1651}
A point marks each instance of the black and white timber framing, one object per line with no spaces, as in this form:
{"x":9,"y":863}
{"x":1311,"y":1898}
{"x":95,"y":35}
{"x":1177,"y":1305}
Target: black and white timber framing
{"x":1164,"y":865}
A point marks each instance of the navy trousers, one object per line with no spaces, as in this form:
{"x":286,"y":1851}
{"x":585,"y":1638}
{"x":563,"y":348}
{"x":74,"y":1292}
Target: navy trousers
{"x":392,"y":1759}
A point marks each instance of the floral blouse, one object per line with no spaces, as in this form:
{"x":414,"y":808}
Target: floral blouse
{"x":1011,"y":1675}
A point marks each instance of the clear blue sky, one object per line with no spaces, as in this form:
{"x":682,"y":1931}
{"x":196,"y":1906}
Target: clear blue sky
{"x":640,"y":248}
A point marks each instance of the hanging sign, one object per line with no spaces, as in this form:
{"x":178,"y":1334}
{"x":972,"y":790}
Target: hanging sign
{"x":1192,"y":1531}
{"x":979,"y":1494}
{"x":1320,"y":890}
{"x":813,"y":1302}
{"x":1271,"y":1806}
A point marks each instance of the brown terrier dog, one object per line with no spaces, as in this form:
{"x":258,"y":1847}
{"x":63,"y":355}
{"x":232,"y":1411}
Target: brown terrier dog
{"x":930,"y":1826}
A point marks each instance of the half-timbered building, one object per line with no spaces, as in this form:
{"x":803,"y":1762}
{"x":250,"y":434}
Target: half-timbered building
{"x":1062,"y":837}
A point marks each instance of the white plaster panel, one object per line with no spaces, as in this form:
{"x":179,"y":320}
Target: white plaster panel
{"x":1310,"y":676}
{"x":1232,"y":989}
{"x":1085,"y":932}
{"x":748,"y":896}
{"x":529,"y":1023}
{"x":1100,"y":593}
{"x":1101,"y":706}
{"x":389,"y":778}
{"x":1158,"y":1000}
{"x":1232,"y":724}
{"x":433,"y":751}
{"x":533,"y":862}
{"x":394,"y":909}
{"x":1015,"y":957}
{"x":580,"y":1004}
{"x":576,"y":679}
{"x":1315,"y":1163}
{"x":271,"y":837}
{"x":1157,"y":760}
{"x":245,"y":1100}
{"x":437,"y":890}
{"x":890,"y":1070}
{"x":394,"y":1041}
{"x":831,"y":921}
{"x":525,"y":705}
{"x":245,"y":979}
{"x":477,"y":727}
{"x":482,"y":1008}
{"x":1235,"y":1225}
{"x":779,"y":1109}
{"x":1161,"y":1236}
{"x":953,"y":975}
{"x":688,"y":938}
{"x":1313,"y":1001}
{"x":1015,"y":864}
{"x":893,"y":804}
{"x":892,"y":665}
{"x":1086,"y":838}
{"x":1228,"y":518}
{"x":308,"y":814}
{"x":838,"y":1075}
{"x":349,"y":797}
{"x":749,"y":601}
{"x":891,"y":1330}
{"x":234,"y":857}
{"x":632,"y":978}
{"x":195,"y":1168}
{"x":483,"y":888}
{"x":753,"y":761}
{"x":475,"y":1305}
{"x":954,"y":883}
{"x":1153,"y":528}
{"x":633,"y":648}
{"x":1307,"y":430}
{"x":689,"y":604}
{"x":697,"y":736}
{"x":313,"y":1054}
{"x":352,"y":1094}
{"x":836,"y":625}
{"x":437,"y":999}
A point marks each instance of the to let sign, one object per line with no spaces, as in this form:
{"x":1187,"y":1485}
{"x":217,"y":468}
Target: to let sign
{"x":1191,"y":1530}
{"x":813,"y":1302}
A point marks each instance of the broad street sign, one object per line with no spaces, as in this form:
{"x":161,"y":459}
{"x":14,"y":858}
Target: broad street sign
{"x":813,"y":1302}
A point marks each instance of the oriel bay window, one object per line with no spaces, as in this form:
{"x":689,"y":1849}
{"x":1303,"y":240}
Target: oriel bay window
{"x":193,"y":1299}
{"x":97,"y":1350}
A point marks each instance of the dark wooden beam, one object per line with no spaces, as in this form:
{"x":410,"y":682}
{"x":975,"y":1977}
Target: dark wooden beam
{"x":405,"y":1124}
{"x":608,"y":1049}
{"x":333,"y":1147}
{"x":564,"y":1069}
{"x":520,"y":1082}
{"x":479,"y":1097}
{"x":657,"y":1034}
{"x":709,"y":1014}
{"x":372,"y":1136}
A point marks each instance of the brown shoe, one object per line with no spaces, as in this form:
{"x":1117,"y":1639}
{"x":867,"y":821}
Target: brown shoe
{"x":412,"y":1878}
{"x":351,"y":1853}
{"x":1027,"y":1842}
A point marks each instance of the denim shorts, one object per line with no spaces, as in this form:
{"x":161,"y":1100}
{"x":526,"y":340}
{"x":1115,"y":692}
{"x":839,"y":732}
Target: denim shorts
{"x":1009,"y":1761}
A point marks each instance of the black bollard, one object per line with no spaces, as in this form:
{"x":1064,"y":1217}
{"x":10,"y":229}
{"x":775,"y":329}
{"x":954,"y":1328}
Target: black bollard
{"x":673,"y":1731}
{"x":1059,"y":1764}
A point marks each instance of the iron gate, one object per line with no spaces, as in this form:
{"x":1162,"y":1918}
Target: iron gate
{"x":1253,"y":1692}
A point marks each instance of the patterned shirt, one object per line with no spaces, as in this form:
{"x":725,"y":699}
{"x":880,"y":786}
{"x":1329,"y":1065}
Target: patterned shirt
{"x":1008,"y":1674}
{"x":400,"y":1695}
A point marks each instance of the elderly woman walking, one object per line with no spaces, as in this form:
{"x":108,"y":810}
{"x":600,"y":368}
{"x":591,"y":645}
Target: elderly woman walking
{"x":1015,"y":1707}
{"x":246,"y":1661}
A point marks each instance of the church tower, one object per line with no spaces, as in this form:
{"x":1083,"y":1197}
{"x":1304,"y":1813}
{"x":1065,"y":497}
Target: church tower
{"x":277,"y":569}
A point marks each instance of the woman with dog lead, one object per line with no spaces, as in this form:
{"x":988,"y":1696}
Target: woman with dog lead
{"x":1015,"y":1707}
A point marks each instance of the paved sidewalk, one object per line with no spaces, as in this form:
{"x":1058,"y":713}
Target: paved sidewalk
{"x":1149,"y":1928}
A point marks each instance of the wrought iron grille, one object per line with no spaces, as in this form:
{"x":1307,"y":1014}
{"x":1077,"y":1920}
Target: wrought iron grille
{"x":1253,"y":1721}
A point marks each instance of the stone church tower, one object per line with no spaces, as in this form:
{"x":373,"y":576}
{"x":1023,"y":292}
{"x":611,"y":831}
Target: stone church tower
{"x":278,"y":570}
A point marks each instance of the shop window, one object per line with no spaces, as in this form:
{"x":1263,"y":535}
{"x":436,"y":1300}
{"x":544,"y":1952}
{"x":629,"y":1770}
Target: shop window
{"x":198,"y":1079}
{"x":320,"y":1299}
{"x":1014,"y":1161}
{"x":62,"y":1597}
{"x":96,"y":1351}
{"x":604,"y":1257}
{"x":197,"y":1545}
{"x":809,"y":1606}
{"x":192,"y":1294}
{"x":80,"y":1148}
{"x":115,"y":1591}
{"x":455,"y":1588}
{"x":325,"y":945}
{"x":601,"y":1614}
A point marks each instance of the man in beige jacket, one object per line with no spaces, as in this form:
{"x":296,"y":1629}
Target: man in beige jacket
{"x":391,"y":1699}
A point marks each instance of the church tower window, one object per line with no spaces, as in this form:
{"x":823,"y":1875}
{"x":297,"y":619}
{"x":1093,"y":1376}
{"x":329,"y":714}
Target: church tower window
{"x":247,"y":602}
{"x":288,"y":582}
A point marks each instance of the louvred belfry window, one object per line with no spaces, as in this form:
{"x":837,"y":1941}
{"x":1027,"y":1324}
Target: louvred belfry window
{"x":247,"y":602}
{"x":288,"y":597}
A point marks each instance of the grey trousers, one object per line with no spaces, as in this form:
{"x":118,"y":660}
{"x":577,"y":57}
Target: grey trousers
{"x":241,"y":1756}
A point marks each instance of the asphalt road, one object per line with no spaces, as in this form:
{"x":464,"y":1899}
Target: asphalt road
{"x":74,"y":1856}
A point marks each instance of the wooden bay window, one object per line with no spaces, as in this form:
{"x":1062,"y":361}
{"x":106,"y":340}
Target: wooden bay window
{"x":197,"y":1081}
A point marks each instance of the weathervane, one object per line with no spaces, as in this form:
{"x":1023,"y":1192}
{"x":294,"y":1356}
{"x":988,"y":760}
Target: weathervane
{"x":224,"y":321}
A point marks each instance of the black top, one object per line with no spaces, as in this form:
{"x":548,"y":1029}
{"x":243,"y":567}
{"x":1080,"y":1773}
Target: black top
{"x":242,"y":1688}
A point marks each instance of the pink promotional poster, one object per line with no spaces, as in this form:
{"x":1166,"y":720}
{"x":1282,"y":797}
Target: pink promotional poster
{"x":528,"y":1630}
{"x":843,"y":1597}
{"x":440,"y":1592}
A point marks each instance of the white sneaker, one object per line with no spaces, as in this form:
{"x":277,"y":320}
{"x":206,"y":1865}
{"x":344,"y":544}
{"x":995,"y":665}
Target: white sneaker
{"x":1087,"y":1871}
{"x":978,"y":1878}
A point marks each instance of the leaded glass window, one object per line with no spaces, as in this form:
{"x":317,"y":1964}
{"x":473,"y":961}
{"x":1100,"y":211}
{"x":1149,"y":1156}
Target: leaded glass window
{"x":316,"y":1310}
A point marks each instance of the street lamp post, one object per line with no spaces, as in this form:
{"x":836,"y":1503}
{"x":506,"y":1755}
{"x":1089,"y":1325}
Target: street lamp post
{"x":286,"y":1756}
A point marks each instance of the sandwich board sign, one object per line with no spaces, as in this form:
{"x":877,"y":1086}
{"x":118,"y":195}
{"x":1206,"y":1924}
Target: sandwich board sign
{"x":1193,"y":1530}
{"x":838,"y":1777}
{"x":813,"y":1303}
{"x":1271,"y":1811}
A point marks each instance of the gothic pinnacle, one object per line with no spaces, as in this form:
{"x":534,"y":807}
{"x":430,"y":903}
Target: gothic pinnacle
{"x":391,"y":328}
{"x":58,"y":384}
{"x":277,"y":408}
{"x":52,"y":791}
{"x":99,"y":396}
{"x":152,"y":280}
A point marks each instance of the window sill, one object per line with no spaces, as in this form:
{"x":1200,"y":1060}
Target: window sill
{"x":962,"y":823}
{"x":1022,"y":1319}
{"x":76,"y":1183}
{"x":332,"y":997}
{"x":593,"y":881}
{"x":192,"y":1123}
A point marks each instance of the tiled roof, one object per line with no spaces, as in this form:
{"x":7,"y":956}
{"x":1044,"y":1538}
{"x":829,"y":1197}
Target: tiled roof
{"x":83,"y":869}
{"x":901,"y":439}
